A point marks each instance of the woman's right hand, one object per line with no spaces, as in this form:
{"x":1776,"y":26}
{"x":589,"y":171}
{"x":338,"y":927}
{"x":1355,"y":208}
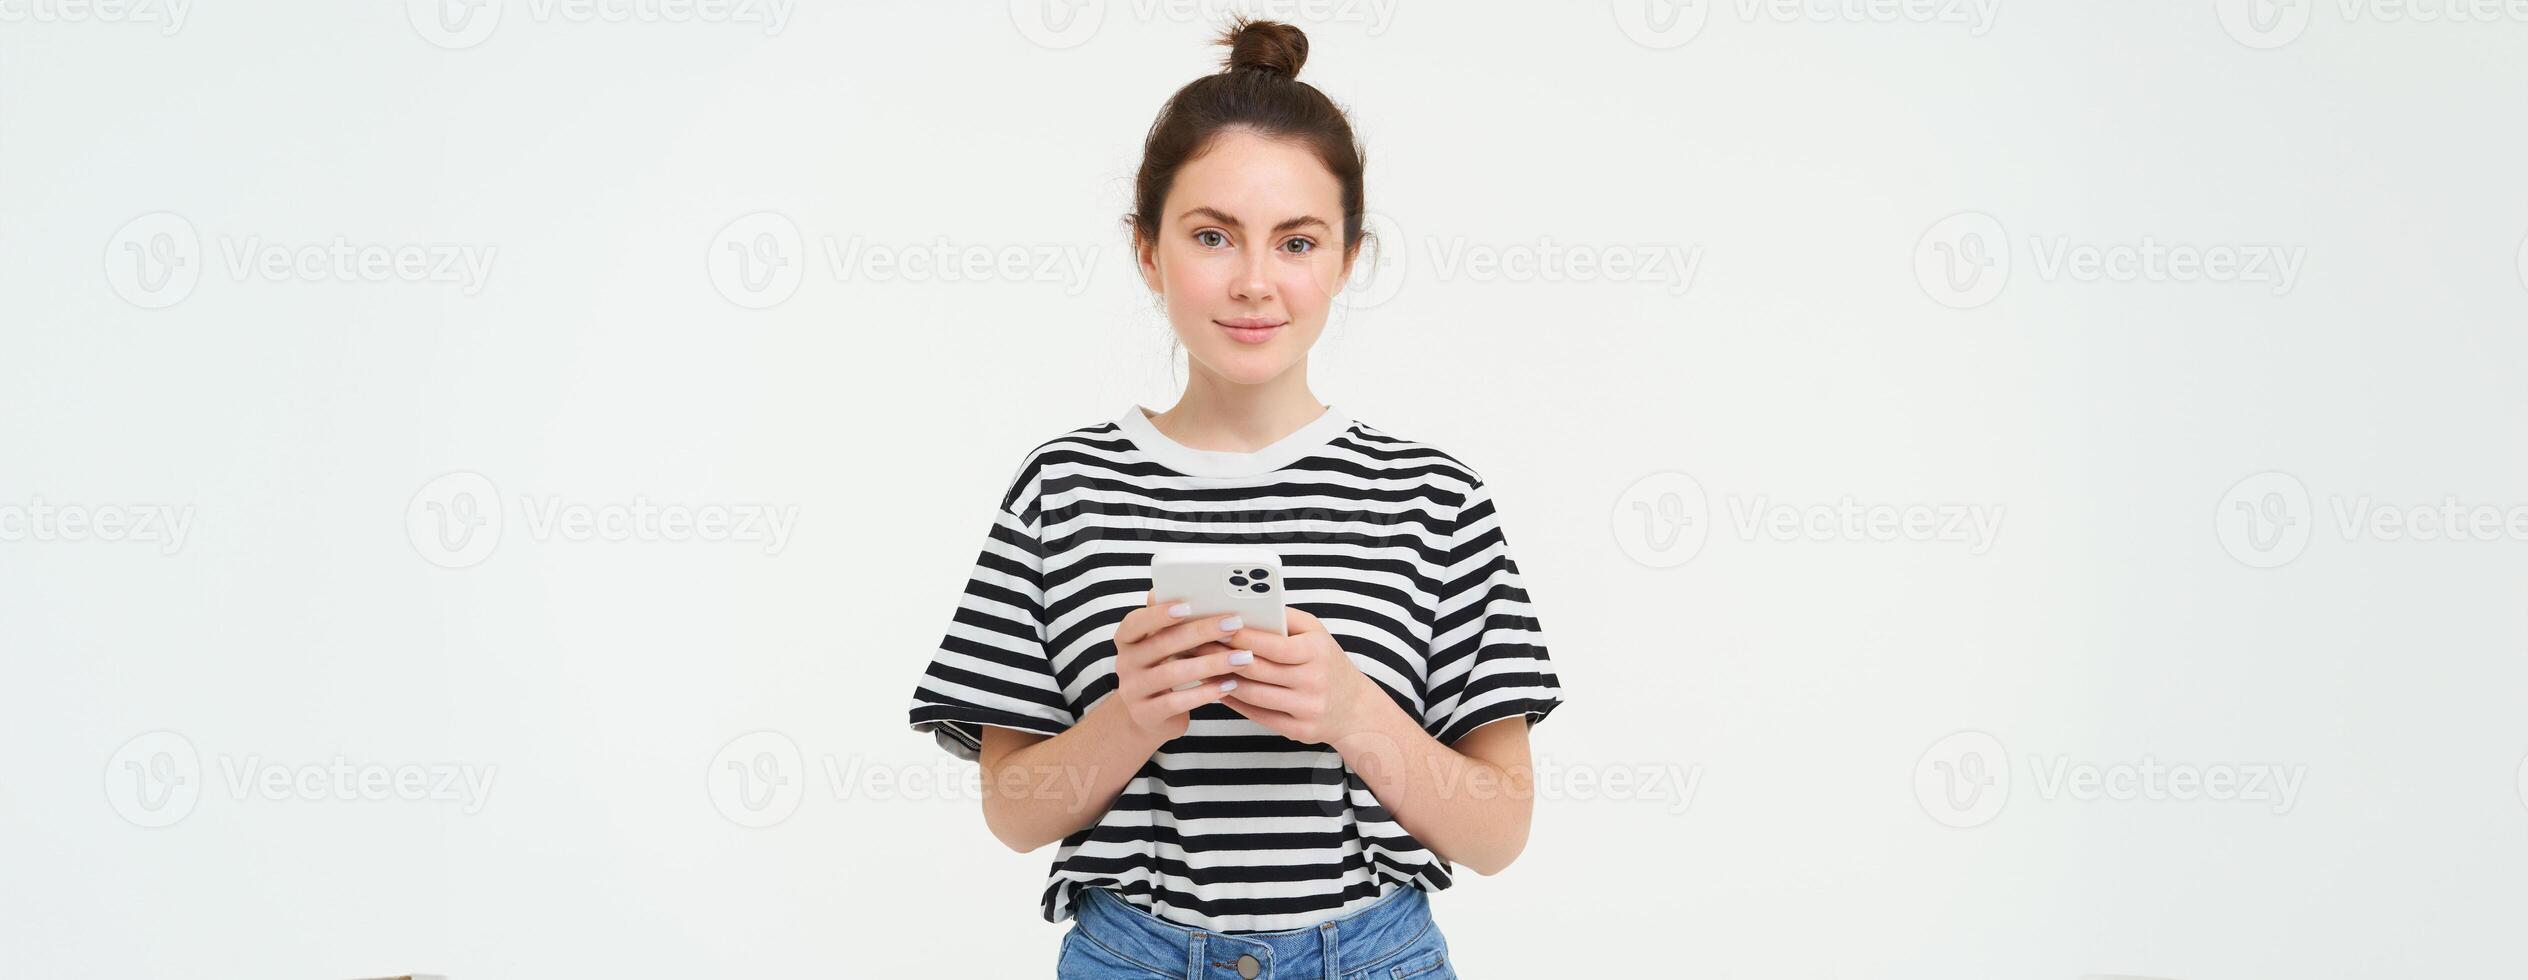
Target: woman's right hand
{"x":1145,"y":677}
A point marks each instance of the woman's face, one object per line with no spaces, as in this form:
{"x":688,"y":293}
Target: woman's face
{"x":1249,"y":254}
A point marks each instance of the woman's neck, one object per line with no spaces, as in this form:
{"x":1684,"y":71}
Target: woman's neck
{"x":1218,"y":415}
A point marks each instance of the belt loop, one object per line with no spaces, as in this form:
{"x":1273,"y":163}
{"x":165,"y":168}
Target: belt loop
{"x":1333,"y":951}
{"x":1194,"y":958}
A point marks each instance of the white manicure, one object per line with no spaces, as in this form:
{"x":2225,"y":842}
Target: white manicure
{"x":1180,"y":609}
{"x":1231,"y":624}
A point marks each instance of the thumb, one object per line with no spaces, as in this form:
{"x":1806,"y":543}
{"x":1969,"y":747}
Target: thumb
{"x":1299,"y":621}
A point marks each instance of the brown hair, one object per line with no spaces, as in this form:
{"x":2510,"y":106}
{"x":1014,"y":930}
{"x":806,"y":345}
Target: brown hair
{"x":1258,"y":88}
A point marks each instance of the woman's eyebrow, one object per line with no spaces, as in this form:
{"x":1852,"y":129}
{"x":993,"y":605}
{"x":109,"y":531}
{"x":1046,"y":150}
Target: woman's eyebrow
{"x":1222,"y":217}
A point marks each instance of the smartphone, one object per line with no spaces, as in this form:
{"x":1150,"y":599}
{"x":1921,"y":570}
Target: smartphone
{"x":1217,"y":579}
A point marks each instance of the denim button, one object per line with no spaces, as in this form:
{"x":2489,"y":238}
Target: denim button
{"x":1248,"y":967}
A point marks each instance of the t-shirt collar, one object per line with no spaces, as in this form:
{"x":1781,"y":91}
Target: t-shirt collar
{"x":1204,"y":462}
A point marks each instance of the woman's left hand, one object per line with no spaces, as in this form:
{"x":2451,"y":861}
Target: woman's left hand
{"x":1302,"y":686}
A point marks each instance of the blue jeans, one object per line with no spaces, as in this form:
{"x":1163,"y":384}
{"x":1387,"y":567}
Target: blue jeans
{"x":1389,"y":939}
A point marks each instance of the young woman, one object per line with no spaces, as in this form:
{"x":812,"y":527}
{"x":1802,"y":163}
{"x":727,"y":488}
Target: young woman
{"x":1285,"y":818}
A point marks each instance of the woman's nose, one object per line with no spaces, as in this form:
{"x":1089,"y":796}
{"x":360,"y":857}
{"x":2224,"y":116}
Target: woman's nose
{"x":1251,"y":282}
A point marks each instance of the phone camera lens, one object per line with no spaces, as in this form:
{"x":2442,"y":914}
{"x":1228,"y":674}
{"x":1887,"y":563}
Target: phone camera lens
{"x":1260,"y":587}
{"x":1234,"y":580}
{"x":1261,"y":573}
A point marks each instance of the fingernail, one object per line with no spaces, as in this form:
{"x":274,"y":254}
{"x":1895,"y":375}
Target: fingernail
{"x":1237,"y":657}
{"x":1232,"y":624}
{"x":1229,"y":685}
{"x":1181,"y":609}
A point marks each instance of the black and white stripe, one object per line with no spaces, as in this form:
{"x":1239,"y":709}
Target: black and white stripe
{"x":1231,"y":828}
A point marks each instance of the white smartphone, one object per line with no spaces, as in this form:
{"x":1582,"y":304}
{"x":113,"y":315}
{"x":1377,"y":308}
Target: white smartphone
{"x":1217,"y":579}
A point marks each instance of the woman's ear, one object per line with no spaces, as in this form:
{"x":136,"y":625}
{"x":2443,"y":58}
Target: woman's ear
{"x":1145,"y":257}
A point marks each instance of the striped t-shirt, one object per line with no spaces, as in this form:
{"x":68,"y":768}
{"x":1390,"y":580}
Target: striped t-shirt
{"x":1232,"y":828}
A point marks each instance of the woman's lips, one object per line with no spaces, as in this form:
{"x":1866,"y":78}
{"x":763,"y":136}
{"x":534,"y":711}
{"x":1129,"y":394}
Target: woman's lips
{"x":1251,"y":329}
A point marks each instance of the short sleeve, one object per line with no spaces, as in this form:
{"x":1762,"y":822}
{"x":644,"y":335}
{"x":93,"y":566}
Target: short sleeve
{"x":991,"y":667}
{"x":1488,"y":659}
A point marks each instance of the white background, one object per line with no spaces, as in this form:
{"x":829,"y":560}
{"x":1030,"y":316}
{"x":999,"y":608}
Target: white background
{"x":2140,"y":604}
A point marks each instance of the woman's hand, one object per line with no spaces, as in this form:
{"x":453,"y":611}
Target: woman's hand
{"x":1302,"y":686}
{"x":1145,"y":679}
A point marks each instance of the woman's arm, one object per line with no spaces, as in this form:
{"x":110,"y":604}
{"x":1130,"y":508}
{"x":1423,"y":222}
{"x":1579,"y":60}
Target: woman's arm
{"x":1470,"y":803}
{"x":1038,"y":789}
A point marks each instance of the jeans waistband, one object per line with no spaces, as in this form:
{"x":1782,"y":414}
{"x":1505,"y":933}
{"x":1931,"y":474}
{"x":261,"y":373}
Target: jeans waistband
{"x":1328,"y":950}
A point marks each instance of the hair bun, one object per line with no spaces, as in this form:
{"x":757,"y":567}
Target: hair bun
{"x":1267,"y":44}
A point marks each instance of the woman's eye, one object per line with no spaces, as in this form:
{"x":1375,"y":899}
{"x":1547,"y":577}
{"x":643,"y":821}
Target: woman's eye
{"x":1306,"y":246}
{"x":1210,"y":238}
